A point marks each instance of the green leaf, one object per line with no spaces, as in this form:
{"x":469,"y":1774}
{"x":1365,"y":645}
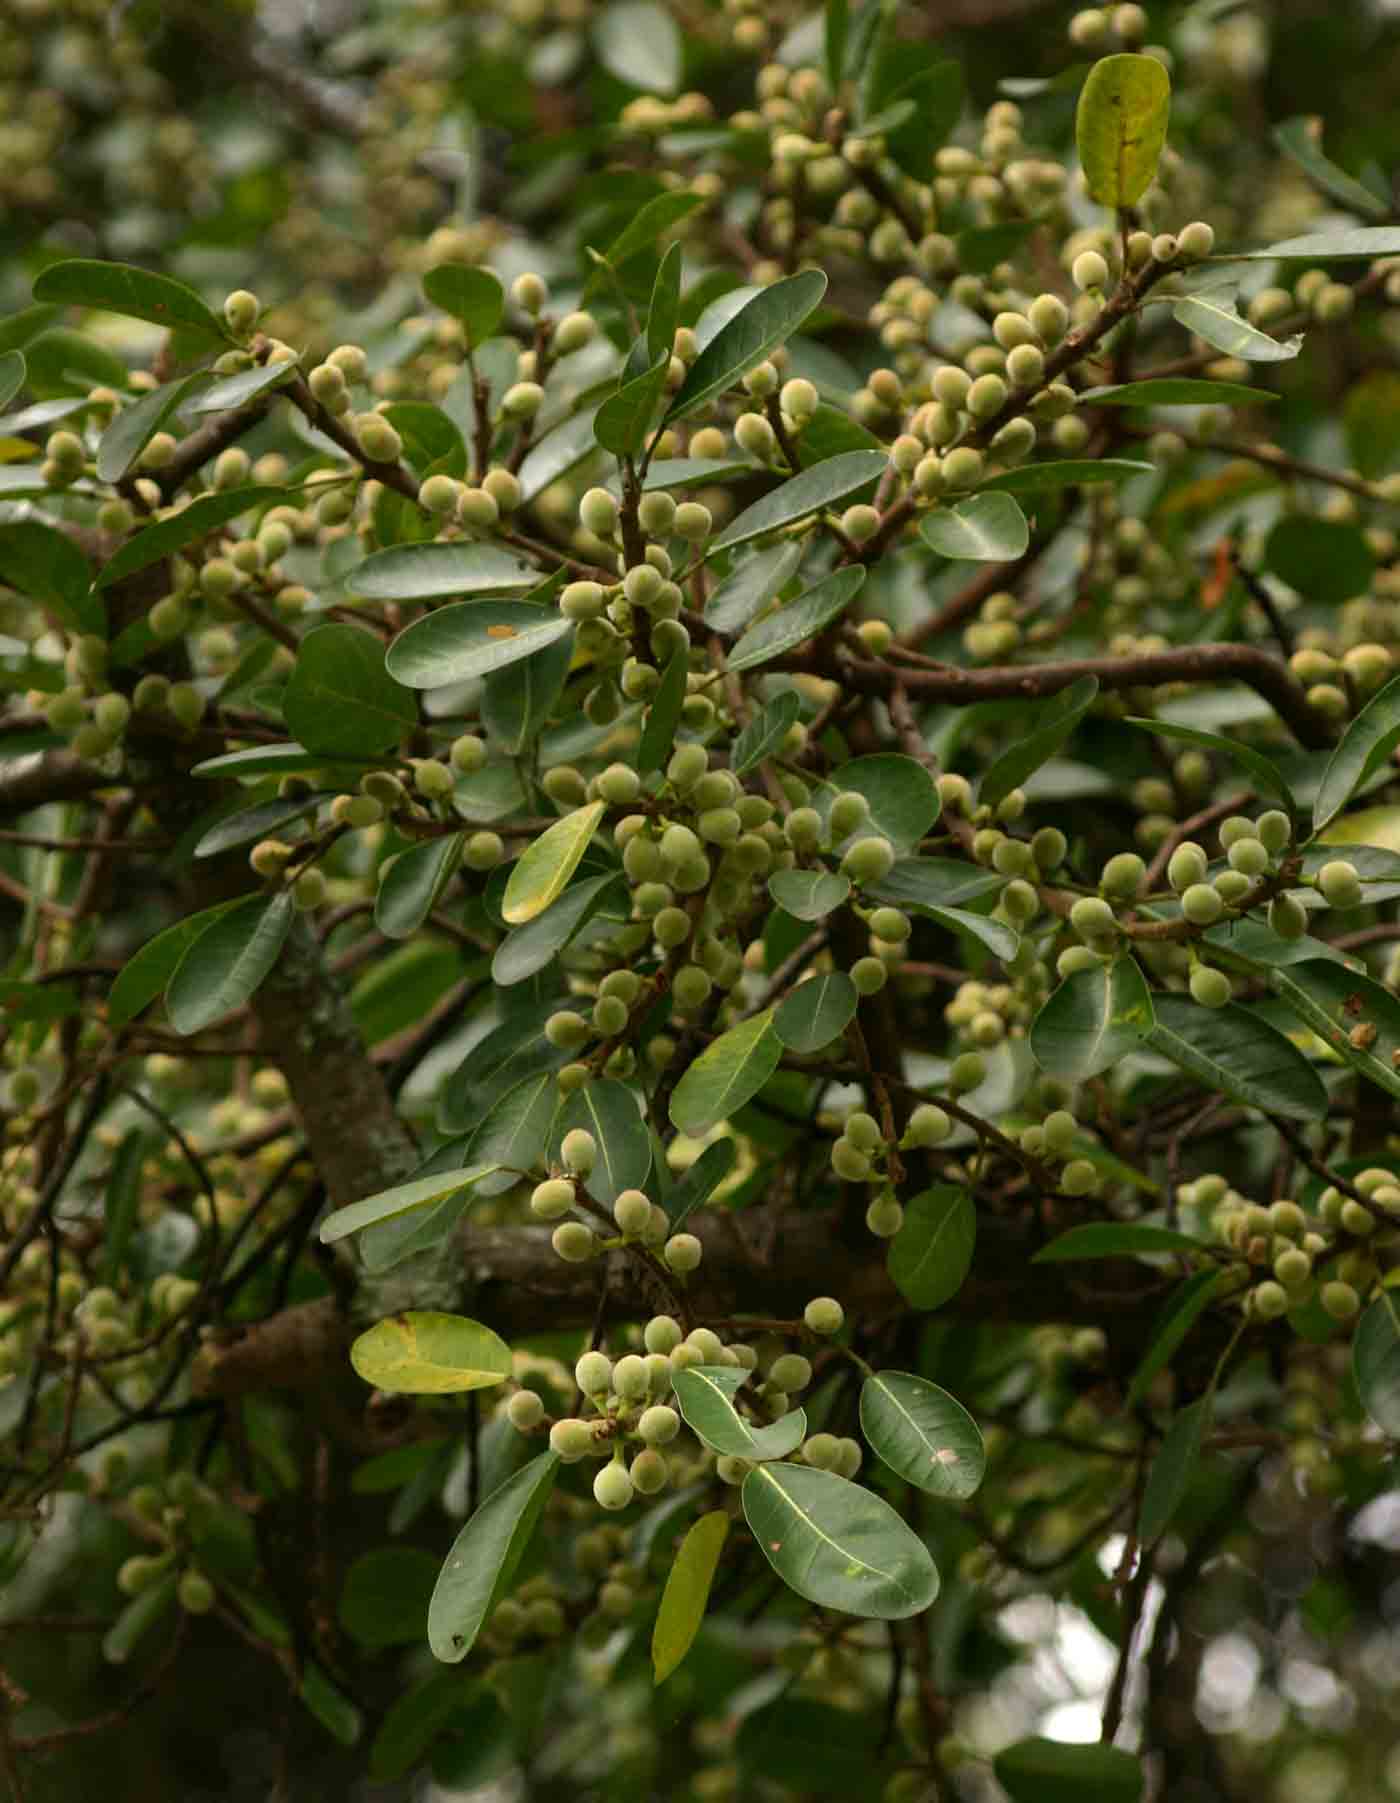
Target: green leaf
{"x":515,"y":1131}
{"x":1375,"y":1363}
{"x":1323,"y":559}
{"x":416,"y":1718}
{"x":473,"y":297}
{"x":384,"y":1600}
{"x":685,"y":472}
{"x":1172,"y":1469}
{"x":663,"y":314}
{"x":1212,"y":316}
{"x":701,"y":1180}
{"x":642,"y":230}
{"x":758,"y":327}
{"x":795,"y":622}
{"x":557,"y":453}
{"x":922,"y":1434}
{"x":470,"y":638}
{"x":1039,"y":739}
{"x":1234,"y":1050}
{"x":1344,"y":244}
{"x":1000,"y":940}
{"x":1120,"y":127}
{"x":530,"y":948}
{"x":1053,"y":1771}
{"x":687,"y":1593}
{"x":1065,"y":472}
{"x":926,"y":883}
{"x":404,"y":1198}
{"x":340,"y":701}
{"x":145,"y":973}
{"x":838,"y":1545}
{"x":431,"y":571}
{"x":138,"y":1618}
{"x":46,"y":565}
{"x":638,"y":42}
{"x":11,"y":376}
{"x":542,"y":874}
{"x":1179,"y":1315}
{"x":703,"y":1395}
{"x":816,"y":1012}
{"x":133,"y":427}
{"x":1334,"y":1000}
{"x":624,"y":421}
{"x":425,"y":1353}
{"x":811,"y":1748}
{"x":1114,"y":1239}
{"x":484,"y":1558}
{"x":902,"y":796}
{"x":516,"y":702}
{"x":1365,"y":745}
{"x":836,"y":31}
{"x":765,"y":732}
{"x":1297,"y":138}
{"x":137,"y":293}
{"x":201,"y":517}
{"x":1094,"y":1018}
{"x":987,"y":528}
{"x":1265,"y":774}
{"x":729,"y":1072}
{"x":237,"y":391}
{"x":260,"y":822}
{"x":937,"y":97}
{"x":61,"y":363}
{"x":261,"y":760}
{"x":808,"y":894}
{"x":663,"y":715}
{"x":751,"y":586}
{"x":806,"y":493}
{"x":121,"y":1201}
{"x":1174,"y":391}
{"x":608,"y":1110}
{"x":412,"y":883}
{"x":223,"y":967}
{"x":931,"y":1254}
{"x":1371,"y":414}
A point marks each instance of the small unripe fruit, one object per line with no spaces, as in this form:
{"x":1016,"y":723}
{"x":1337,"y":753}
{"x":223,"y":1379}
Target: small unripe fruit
{"x":195,"y":1593}
{"x":869,"y":975}
{"x":612,"y":1487}
{"x":552,"y":1199}
{"x":962,"y":467}
{"x":439,"y":494}
{"x":790,"y":1372}
{"x":525,"y":1410}
{"x":241,"y":311}
{"x":822,"y":1451}
{"x":1202,"y":905}
{"x":598,"y":512}
{"x":1249,"y":856}
{"x":1089,"y":270}
{"x":1122,"y":875}
{"x":378,"y":439}
{"x":659,"y":1425}
{"x":579,"y":1151}
{"x":1268,"y":1300}
{"x":868,"y":860}
{"x":632,"y":1212}
{"x":682,"y":1252}
{"x":1209,"y":988}
{"x":1287,"y":918}
{"x":1339,"y":885}
{"x":824,"y":1315}
{"x":1340,"y":1300}
{"x":662,"y":1334}
{"x":1093,"y":918}
{"x":571,"y":1439}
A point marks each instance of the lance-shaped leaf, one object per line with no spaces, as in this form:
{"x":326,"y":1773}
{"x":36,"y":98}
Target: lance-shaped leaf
{"x":135,"y":425}
{"x":758,"y":327}
{"x":623,"y":421}
{"x":932,"y":1253}
{"x":1056,"y":1771}
{"x":136,"y":293}
{"x":608,"y":1110}
{"x":703,"y":1177}
{"x":1039,"y":740}
{"x":802,"y":495}
{"x":1093,"y":1019}
{"x":816,"y":1012}
{"x":1265,"y":774}
{"x":1300,"y":139}
{"x":663,"y":715}
{"x":923,"y":1434}
{"x":1212,"y":316}
{"x":687,"y":1593}
{"x":1114,"y":1239}
{"x":1234,"y":1050}
{"x":481,"y":1567}
{"x":704,"y":1395}
{"x":1065,"y":472}
{"x":11,"y":376}
{"x":515,"y":1131}
{"x":1365,"y":745}
{"x":529,"y":948}
{"x":1000,"y":940}
{"x":1335,"y":1002}
{"x":224,"y":966}
{"x":411,"y":885}
{"x":203,"y":515}
{"x":836,"y":1544}
{"x":261,"y":822}
{"x":1120,"y":127}
{"x":765,"y":732}
{"x":1179,"y":1315}
{"x":425,"y":1353}
{"x":988,"y":528}
{"x":808,"y":894}
{"x":472,"y":296}
{"x":1345,"y":244}
{"x":1174,"y":391}
{"x":664,"y":310}
{"x":237,"y":391}
{"x":729,"y":1072}
{"x":1375,"y":1363}
{"x":1172,"y":1469}
{"x":750,"y":587}
{"x":147,"y":972}
{"x":403,"y":1199}
{"x":542,"y":874}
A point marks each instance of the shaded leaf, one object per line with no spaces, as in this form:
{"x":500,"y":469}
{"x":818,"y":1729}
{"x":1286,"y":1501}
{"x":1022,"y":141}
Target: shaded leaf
{"x":227,"y":962}
{"x":1114,"y":1239}
{"x":749,"y":587}
{"x":701,"y":1180}
{"x":431,"y":571}
{"x":1375,"y":1363}
{"x":1300,"y":139}
{"x":1233,"y":1049}
{"x":1172,"y":1469}
{"x":412,"y":883}
{"x":1334,"y":1001}
{"x":638,"y":42}
{"x":932,"y":1253}
{"x":663,"y":715}
{"x":1265,"y":774}
{"x":1174,"y":391}
{"x":1323,"y":559}
{"x":765,"y":732}
{"x":1065,"y":472}
{"x":1053,"y":1771}
{"x":134,"y":425}
{"x":729,"y":1072}
{"x":340,"y":700}
{"x":1094,"y":1018}
{"x":1182,"y":1310}
{"x":1040,"y":737}
{"x":1366,"y":744}
{"x":203,"y":515}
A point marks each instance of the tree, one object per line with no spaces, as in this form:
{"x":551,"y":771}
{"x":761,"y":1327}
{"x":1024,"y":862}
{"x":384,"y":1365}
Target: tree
{"x":698,"y":870}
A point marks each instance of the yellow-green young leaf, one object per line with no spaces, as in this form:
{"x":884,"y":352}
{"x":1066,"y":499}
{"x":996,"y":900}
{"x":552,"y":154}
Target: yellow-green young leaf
{"x":687,"y":1592}
{"x":423,"y":1353}
{"x":1121,"y":126}
{"x":541,"y":875}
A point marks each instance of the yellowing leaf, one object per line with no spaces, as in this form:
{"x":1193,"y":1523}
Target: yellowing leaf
{"x":687,"y":1592}
{"x":1121,"y":126}
{"x":541,"y":875}
{"x":425,"y":1353}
